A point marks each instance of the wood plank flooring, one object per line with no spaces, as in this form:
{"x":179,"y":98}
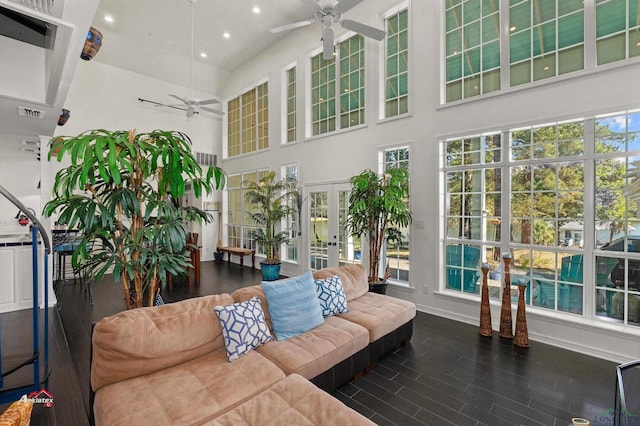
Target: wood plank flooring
{"x":448,"y":375}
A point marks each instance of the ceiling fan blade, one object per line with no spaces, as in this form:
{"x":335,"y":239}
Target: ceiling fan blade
{"x":215,"y":111}
{"x":363,"y":29}
{"x":327,"y":44}
{"x":288,"y":27}
{"x":209,"y":102}
{"x":345,"y":5}
{"x":313,"y":4}
{"x":179,"y":98}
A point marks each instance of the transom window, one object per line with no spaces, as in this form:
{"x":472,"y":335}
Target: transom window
{"x":397,"y":64}
{"x":248,"y":121}
{"x":349,"y":85}
{"x":472,"y":48}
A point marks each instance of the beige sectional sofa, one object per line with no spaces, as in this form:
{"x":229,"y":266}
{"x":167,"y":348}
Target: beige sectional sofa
{"x":168,"y":365}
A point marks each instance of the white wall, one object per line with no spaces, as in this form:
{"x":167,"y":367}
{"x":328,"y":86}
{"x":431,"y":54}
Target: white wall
{"x":106,"y":97}
{"x":335,"y":158}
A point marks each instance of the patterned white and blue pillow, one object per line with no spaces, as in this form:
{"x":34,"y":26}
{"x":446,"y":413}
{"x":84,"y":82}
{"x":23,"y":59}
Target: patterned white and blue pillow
{"x":331,"y":296}
{"x":243,"y":327}
{"x":158,"y":301}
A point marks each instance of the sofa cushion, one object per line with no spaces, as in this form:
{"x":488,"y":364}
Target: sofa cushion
{"x":354,"y":279}
{"x":243,"y":327}
{"x":144,"y":340}
{"x":293,"y":305}
{"x":331,"y":296}
{"x":190,"y":393}
{"x":292,"y":401}
{"x":380,"y":314}
{"x":312,"y":353}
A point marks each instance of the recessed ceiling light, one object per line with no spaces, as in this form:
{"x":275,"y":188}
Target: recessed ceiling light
{"x":203,"y":55}
{"x":546,"y":68}
{"x":512,"y":29}
{"x":108,"y":18}
{"x":226,"y":35}
{"x":256,"y":9}
{"x":638,"y":44}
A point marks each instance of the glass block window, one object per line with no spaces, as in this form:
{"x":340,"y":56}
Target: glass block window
{"x":290,"y":101}
{"x":248,"y":121}
{"x":472,"y":48}
{"x":348,"y":88}
{"x":546,"y":38}
{"x":617,"y":30}
{"x":352,"y":82}
{"x":397,"y":65}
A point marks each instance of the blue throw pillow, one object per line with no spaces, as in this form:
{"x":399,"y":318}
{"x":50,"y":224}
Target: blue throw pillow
{"x":331,"y":296}
{"x":293,"y":305}
{"x":243,"y":327}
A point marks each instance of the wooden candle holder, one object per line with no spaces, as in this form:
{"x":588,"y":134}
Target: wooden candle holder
{"x":506,"y":325}
{"x":485,"y":309}
{"x":521,"y":337}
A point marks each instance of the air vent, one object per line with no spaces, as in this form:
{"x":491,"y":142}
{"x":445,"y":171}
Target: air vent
{"x":41,"y":5}
{"x":206,"y":159}
{"x":31,"y":143}
{"x":30,"y":113}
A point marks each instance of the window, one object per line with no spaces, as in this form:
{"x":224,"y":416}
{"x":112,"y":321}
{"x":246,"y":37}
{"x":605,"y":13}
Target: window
{"x":349,"y":86}
{"x":290,"y":253}
{"x":290,"y":102}
{"x":397,"y":252}
{"x":528,"y":198}
{"x":472,"y":48}
{"x":617,"y":30}
{"x":617,"y":220}
{"x":546,"y":38}
{"x":239,"y":227}
{"x":248,"y":121}
{"x":396,"y":64}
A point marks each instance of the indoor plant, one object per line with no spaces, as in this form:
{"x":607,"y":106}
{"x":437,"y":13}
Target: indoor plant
{"x":121,"y":190}
{"x":378,"y":207}
{"x":271,"y":202}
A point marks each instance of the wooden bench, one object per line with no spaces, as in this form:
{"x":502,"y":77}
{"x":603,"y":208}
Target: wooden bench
{"x":242,"y":252}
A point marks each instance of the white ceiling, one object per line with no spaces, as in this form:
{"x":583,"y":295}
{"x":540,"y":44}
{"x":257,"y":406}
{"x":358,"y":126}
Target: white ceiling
{"x":152,"y":37}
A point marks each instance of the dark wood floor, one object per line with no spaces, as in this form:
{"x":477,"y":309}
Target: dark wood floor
{"x":448,"y":375}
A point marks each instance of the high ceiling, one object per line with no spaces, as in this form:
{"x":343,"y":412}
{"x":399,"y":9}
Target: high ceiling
{"x":152,"y":37}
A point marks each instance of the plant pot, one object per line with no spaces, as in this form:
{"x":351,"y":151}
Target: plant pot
{"x":380,"y":288}
{"x":270,"y":271}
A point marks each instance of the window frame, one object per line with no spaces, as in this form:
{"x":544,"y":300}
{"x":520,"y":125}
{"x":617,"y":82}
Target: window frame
{"x":254,"y":122}
{"x":382,"y":67}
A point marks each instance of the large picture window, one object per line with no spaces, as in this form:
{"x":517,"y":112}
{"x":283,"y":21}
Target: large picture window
{"x":528,"y":198}
{"x":248,"y":121}
{"x":348,"y":88}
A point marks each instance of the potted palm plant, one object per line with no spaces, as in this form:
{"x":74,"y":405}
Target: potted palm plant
{"x":378,"y":208}
{"x":121,"y":191}
{"x":271,"y":204}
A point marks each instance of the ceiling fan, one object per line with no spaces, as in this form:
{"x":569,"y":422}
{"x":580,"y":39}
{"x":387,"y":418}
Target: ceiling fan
{"x":191,"y":104}
{"x":329,"y":12}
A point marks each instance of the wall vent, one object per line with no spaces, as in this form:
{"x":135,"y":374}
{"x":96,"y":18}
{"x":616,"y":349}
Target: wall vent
{"x":206,"y":159}
{"x":41,"y":5}
{"x":30,"y":113}
{"x":31,"y":143}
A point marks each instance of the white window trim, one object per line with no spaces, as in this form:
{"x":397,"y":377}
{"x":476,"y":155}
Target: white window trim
{"x":225,"y":120}
{"x":308,"y":126}
{"x":284,"y":99}
{"x":382,"y":56}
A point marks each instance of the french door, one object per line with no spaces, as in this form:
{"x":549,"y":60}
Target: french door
{"x":329,"y":242}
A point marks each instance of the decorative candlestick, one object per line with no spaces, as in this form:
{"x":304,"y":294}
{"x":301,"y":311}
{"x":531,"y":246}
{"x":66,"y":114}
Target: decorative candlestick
{"x":506,"y":326}
{"x":522,"y":334}
{"x":485,"y":309}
